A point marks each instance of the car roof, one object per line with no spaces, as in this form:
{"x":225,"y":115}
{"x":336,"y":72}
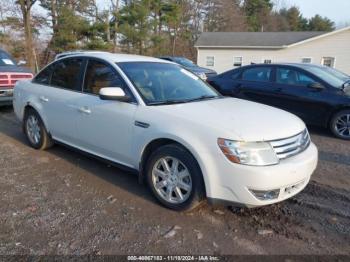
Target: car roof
{"x":115,"y":58}
{"x":171,"y":57}
{"x":297,"y":65}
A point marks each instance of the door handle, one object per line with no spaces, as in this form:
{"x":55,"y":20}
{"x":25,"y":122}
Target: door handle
{"x":44,"y":99}
{"x":84,"y":110}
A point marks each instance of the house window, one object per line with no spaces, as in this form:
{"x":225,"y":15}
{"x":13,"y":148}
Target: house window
{"x":267,"y":61}
{"x":306,"y":60}
{"x":210,"y":61}
{"x":237,"y":61}
{"x":328,"y":61}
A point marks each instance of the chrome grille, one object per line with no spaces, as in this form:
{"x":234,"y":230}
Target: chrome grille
{"x":288,"y":147}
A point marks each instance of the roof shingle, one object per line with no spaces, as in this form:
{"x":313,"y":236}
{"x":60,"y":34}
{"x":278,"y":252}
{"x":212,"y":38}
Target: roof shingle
{"x":253,"y":39}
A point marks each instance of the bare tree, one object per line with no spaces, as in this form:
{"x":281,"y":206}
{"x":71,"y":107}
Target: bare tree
{"x":26,"y":6}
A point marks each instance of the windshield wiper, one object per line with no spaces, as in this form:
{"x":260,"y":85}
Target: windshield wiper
{"x":167,"y":102}
{"x":172,"y":102}
{"x":205,"y":97}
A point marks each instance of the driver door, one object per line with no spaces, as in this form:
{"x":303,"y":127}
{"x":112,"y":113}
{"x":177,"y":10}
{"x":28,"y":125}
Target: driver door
{"x":105,"y":128}
{"x":298,"y":97}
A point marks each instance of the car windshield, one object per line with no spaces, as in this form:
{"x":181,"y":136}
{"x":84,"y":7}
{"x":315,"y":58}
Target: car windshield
{"x":184,"y":61}
{"x":329,"y":75}
{"x":6,"y":60}
{"x":163,"y":83}
{"x":337,"y":73}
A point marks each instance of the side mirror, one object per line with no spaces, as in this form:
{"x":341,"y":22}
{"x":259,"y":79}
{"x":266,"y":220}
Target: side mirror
{"x":113,"y":93}
{"x":21,"y":62}
{"x":316,"y":86}
{"x":346,"y":86}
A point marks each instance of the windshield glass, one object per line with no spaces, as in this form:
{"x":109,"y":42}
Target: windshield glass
{"x":327,"y":75}
{"x":184,"y":61}
{"x":337,"y":73}
{"x":163,"y":83}
{"x":6,"y":60}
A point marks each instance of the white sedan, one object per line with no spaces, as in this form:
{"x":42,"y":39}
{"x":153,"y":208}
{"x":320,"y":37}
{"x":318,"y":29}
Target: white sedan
{"x":160,"y":120}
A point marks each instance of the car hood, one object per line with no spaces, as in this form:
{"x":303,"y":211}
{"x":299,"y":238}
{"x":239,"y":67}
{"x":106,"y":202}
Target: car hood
{"x":239,"y":119}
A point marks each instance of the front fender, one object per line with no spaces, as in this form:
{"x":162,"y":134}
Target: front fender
{"x":194,"y":146}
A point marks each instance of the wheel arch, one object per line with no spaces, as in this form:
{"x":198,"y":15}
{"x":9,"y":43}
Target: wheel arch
{"x":336,"y":111}
{"x":30,"y":106}
{"x":158,"y":142}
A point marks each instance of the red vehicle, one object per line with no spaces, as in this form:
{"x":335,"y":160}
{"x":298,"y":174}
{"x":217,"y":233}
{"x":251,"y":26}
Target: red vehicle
{"x":10,"y":73}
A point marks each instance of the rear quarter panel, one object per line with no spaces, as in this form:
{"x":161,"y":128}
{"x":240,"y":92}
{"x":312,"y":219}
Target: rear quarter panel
{"x":27,"y":93}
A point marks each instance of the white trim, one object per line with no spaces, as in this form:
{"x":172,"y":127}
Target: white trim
{"x":334,"y":60}
{"x":241,"y":47}
{"x":206,"y":60}
{"x":321,"y":36}
{"x":233,"y":64}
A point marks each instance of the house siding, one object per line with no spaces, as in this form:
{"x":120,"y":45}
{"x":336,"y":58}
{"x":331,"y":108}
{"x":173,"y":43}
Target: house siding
{"x":336,"y":45}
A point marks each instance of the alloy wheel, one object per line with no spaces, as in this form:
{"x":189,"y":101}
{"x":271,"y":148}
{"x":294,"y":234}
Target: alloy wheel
{"x":342,"y":125}
{"x":172,"y":180}
{"x":33,"y":129}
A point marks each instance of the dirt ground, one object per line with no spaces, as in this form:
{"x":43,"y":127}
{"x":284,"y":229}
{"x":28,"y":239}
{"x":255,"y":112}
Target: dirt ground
{"x":62,"y":202}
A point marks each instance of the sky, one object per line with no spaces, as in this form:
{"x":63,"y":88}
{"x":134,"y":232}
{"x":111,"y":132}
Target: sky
{"x":337,"y":10}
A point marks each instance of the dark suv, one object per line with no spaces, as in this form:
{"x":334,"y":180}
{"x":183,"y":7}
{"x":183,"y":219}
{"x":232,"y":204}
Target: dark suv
{"x":317,"y":94}
{"x":202,"y":72}
{"x":10,"y":73}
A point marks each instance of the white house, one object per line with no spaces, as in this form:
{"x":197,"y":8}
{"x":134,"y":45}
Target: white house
{"x":223,"y":51}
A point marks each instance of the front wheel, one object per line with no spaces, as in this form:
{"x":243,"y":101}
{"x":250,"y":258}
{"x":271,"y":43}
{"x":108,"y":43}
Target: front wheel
{"x":175,"y":178}
{"x":340,"y":124}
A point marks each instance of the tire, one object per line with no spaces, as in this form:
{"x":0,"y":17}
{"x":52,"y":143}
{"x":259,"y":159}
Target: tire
{"x":188,"y":184}
{"x":340,"y":124}
{"x":35,"y":131}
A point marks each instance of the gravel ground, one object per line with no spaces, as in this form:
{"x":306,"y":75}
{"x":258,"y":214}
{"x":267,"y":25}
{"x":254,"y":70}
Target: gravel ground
{"x":62,"y":202}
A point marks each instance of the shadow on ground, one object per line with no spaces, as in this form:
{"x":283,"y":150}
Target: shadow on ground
{"x":112,"y":174}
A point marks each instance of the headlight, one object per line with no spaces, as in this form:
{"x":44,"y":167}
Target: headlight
{"x":248,"y":153}
{"x":202,"y":76}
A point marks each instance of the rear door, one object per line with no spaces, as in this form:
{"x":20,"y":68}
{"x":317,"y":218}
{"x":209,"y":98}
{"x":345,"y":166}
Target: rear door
{"x":60,"y":99}
{"x":297,"y":95}
{"x":105,"y":127}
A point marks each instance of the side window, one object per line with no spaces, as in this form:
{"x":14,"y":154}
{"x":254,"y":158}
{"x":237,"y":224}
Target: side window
{"x":293,"y":77}
{"x":235,"y":74}
{"x":44,"y":76}
{"x":99,"y":75}
{"x":66,"y":74}
{"x":259,"y":74}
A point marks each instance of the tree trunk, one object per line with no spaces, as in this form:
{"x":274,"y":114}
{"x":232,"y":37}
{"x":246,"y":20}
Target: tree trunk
{"x":108,"y":29}
{"x":115,"y":38}
{"x":25,"y":8}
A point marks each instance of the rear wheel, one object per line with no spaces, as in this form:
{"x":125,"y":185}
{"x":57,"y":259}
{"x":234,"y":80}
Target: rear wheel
{"x":340,"y":124}
{"x":174,"y":178}
{"x":35,"y":131}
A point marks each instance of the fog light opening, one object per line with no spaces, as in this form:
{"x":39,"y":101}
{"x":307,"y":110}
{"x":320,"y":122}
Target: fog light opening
{"x":265,"y":195}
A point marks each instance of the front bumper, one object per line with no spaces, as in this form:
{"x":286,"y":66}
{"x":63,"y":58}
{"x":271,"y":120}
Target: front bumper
{"x":6,"y":96}
{"x":233,"y":183}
